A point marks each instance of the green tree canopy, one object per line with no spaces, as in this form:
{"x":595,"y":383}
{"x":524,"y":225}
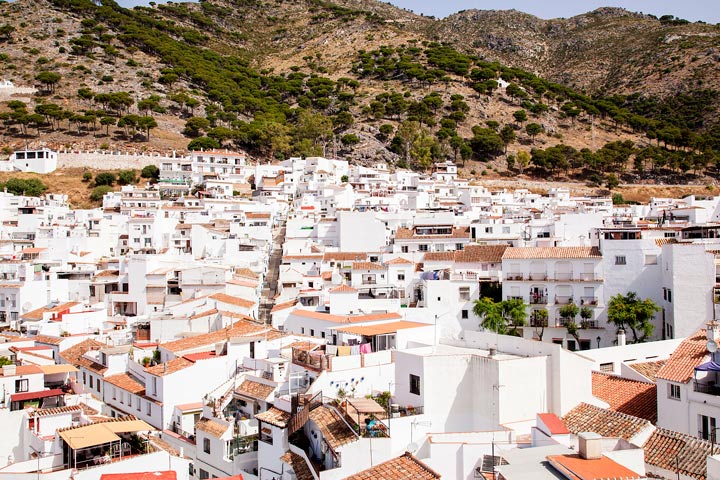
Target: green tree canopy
{"x":501,"y":317}
{"x":633,"y":313}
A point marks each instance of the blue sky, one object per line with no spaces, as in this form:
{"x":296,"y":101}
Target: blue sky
{"x":693,"y":10}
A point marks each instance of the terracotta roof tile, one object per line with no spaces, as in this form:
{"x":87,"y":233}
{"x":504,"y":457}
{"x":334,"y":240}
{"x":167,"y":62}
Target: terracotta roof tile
{"x":46,"y":412}
{"x":211,"y":427}
{"x":231,"y":300}
{"x":688,"y":355}
{"x":551,"y":252}
{"x":89,"y":364}
{"x":167,"y":368}
{"x":346,"y":319}
{"x":334,"y":429}
{"x":23,"y":370}
{"x":127,"y":383}
{"x":667,"y":449}
{"x":404,"y":467}
{"x":638,"y":399}
{"x":298,"y":465}
{"x":439,"y":257}
{"x":246,"y":273}
{"x":648,"y":369}
{"x":553,"y":423}
{"x":274,"y":416}
{"x":345,"y":256}
{"x":399,"y":261}
{"x":255,"y":389}
{"x":589,"y":418}
{"x":72,"y":354}
{"x":47,"y":339}
{"x":367,"y":266}
{"x":242,"y":328}
{"x":283,"y":306}
{"x":481,"y":253}
{"x":213,"y":311}
{"x":343,"y":289}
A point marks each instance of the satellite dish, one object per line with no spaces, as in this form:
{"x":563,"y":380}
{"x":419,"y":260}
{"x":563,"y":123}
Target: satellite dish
{"x":412,"y":447}
{"x":712,"y":346}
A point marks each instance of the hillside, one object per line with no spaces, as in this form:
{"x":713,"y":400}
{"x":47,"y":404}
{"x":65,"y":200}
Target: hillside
{"x":367,"y":81}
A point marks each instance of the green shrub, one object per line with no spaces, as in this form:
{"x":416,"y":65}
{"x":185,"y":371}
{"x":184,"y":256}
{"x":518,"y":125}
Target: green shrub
{"x":126,"y":177}
{"x":31,"y":187}
{"x":105,"y":178}
{"x":99,"y":192}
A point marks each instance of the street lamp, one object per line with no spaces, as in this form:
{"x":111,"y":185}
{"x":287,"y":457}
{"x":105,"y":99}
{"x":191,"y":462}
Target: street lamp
{"x":598,"y":340}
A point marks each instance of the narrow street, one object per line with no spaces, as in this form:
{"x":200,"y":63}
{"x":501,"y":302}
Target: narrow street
{"x":267,"y":298}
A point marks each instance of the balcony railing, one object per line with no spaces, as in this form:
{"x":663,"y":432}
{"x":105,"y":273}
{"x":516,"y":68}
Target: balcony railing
{"x":560,"y":300}
{"x":563,"y":277}
{"x":538,"y":299}
{"x":588,"y":301}
{"x":709,"y":388}
{"x":511,"y":297}
{"x":515,"y":276}
{"x":588,"y":277}
{"x":538,"y":276}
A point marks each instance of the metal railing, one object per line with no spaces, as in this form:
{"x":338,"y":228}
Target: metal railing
{"x":538,"y":299}
{"x":709,"y":388}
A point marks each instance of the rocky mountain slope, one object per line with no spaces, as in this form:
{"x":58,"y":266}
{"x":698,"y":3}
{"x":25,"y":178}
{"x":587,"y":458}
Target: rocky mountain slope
{"x":362,"y":79}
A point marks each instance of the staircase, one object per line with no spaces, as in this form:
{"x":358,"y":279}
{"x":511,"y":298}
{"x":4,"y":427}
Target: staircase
{"x":267,"y":298}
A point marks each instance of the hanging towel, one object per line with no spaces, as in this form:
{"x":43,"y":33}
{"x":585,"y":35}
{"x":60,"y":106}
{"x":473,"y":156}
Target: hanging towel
{"x":343,"y":351}
{"x":365,"y":348}
{"x":331,"y":349}
{"x":355,"y":350}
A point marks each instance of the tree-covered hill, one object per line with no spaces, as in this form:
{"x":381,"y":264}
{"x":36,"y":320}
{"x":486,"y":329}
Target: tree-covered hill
{"x":361,"y":80}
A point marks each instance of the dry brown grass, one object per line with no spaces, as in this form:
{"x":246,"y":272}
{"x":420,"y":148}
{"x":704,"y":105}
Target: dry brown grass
{"x":67,"y":181}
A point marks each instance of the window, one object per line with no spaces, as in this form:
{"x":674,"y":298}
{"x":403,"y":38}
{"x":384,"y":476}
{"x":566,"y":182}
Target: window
{"x":312,"y":332}
{"x":404,"y":249}
{"x":650,"y":259}
{"x":674,"y":392}
{"x":464,"y":314}
{"x":91,"y":381}
{"x":607,"y":367}
{"x":204,"y":475}
{"x":302,"y":330}
{"x":322,"y":334}
{"x":21,"y":385}
{"x":97,"y":385}
{"x":148,"y":408}
{"x":464,"y":293}
{"x":458,"y":246}
{"x":620,"y":260}
{"x":206,"y":445}
{"x":669,"y":295}
{"x":414,"y":384}
{"x":423,"y":247}
{"x":401,"y":275}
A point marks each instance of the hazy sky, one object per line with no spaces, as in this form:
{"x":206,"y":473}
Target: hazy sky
{"x":693,"y":10}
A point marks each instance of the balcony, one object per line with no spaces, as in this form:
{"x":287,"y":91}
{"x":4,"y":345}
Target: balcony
{"x":563,"y":277}
{"x":708,"y":388}
{"x":588,"y":301}
{"x":515,"y":276}
{"x":563,"y":300}
{"x":538,"y":299}
{"x":538,"y":276}
{"x":588,"y":277}
{"x":511,"y":297}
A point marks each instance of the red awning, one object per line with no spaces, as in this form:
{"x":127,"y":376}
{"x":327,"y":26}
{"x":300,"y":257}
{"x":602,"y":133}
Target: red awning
{"x":20,"y":397}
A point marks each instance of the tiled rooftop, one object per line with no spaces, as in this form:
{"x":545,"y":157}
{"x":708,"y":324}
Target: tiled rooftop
{"x":127,"y":383}
{"x":72,"y":354}
{"x":589,"y":418}
{"x":648,"y":369}
{"x":211,"y":427}
{"x":167,"y":368}
{"x":367,"y":266}
{"x":255,"y":389}
{"x":575,"y":467}
{"x":404,"y":467}
{"x":551,"y":252}
{"x":667,"y":450}
{"x":231,"y":300}
{"x":638,"y":399}
{"x":274,"y":416}
{"x":242,"y":328}
{"x":298,"y":465}
{"x":480,"y":253}
{"x":334,"y":429}
{"x":688,"y":355}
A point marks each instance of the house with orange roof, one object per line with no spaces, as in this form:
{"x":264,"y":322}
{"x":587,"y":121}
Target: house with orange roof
{"x":687,"y":397}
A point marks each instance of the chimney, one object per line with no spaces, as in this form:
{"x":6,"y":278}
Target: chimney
{"x":621,"y":338}
{"x":491,"y":352}
{"x":713,"y":330}
{"x":590,"y":445}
